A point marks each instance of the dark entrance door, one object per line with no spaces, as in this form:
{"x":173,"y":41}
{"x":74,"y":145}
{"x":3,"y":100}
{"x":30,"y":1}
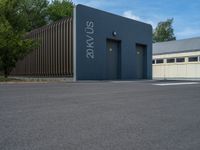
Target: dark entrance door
{"x":140,"y":61}
{"x":113,"y":59}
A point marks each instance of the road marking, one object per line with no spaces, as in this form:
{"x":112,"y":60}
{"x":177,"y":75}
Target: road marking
{"x":122,"y":81}
{"x":180,"y":83}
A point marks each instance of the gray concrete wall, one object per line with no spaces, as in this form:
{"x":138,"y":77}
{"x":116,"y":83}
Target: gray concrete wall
{"x":95,"y":27}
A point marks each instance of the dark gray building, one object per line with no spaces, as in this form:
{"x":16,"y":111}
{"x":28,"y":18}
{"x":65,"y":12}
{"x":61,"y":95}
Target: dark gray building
{"x":93,"y":45}
{"x":110,"y":46}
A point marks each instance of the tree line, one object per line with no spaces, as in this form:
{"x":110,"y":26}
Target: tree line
{"x":17,"y":17}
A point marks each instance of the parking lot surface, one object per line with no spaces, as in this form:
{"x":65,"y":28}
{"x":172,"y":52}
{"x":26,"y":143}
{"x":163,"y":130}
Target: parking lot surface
{"x":127,"y":115}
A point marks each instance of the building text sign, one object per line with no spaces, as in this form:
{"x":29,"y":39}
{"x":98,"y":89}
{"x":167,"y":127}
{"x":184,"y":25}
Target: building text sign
{"x":89,"y":32}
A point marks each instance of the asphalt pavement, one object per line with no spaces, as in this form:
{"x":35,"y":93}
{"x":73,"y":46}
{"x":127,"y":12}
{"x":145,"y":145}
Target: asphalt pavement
{"x":128,"y":115}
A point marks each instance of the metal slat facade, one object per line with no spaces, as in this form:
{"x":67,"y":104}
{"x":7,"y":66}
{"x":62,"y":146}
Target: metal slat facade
{"x":54,"y":55}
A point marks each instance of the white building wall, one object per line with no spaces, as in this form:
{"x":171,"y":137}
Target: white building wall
{"x":177,"y":69}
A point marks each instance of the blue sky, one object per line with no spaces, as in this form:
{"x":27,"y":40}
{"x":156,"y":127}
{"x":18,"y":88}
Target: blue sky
{"x":186,"y":13}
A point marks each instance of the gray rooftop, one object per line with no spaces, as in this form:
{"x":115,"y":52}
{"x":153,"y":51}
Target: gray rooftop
{"x":186,"y":45}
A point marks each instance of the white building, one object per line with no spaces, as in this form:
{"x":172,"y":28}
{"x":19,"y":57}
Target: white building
{"x":177,"y":59}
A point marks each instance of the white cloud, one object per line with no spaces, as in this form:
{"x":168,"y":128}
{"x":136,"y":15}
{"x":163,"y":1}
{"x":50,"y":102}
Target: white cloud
{"x":131,"y":15}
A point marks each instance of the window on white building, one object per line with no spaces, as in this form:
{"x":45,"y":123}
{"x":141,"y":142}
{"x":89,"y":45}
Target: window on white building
{"x":171,"y":60}
{"x":159,"y":61}
{"x":193,"y":59}
{"x":179,"y":60}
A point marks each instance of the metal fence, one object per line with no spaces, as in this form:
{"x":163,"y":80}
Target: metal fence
{"x":54,"y":55}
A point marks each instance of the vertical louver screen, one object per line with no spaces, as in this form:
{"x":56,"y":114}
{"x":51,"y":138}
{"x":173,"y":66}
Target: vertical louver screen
{"x":54,"y":55}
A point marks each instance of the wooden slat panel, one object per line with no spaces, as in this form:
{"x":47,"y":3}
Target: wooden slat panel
{"x":54,"y":55}
{"x":64,"y":49}
{"x":70,"y":46}
{"x":68,"y":64}
{"x":61,"y":48}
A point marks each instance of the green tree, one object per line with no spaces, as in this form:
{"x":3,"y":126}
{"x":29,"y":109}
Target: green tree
{"x":35,"y":11}
{"x":59,"y":9}
{"x":13,"y":43}
{"x":164,"y":31}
